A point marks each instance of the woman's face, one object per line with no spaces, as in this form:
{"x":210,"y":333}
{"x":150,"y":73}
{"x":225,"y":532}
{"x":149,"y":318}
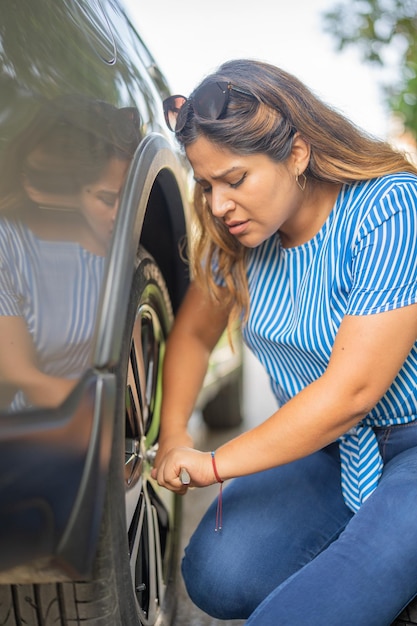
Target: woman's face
{"x":253,"y":195}
{"x":100,"y":201}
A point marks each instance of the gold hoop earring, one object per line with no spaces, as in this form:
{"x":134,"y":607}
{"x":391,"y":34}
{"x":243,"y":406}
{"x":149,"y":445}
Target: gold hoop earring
{"x":301,"y":183}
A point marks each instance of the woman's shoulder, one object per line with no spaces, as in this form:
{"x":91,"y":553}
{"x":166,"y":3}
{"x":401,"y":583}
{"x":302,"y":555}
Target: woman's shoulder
{"x":13,"y":229}
{"x":382,"y":184}
{"x":390,"y":200}
{"x":367,"y":196}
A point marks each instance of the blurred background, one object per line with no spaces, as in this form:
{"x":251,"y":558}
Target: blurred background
{"x":360,"y":56}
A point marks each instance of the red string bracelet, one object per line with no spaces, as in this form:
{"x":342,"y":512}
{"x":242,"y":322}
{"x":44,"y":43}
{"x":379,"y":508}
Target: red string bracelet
{"x":219,"y":511}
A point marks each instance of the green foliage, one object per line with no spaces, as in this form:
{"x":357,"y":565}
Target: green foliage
{"x":383,"y":29}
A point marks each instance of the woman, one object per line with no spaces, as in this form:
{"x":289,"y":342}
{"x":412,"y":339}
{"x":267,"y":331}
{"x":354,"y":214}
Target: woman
{"x":59,"y":190}
{"x":306,"y":232}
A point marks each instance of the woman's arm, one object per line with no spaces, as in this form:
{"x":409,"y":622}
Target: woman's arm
{"x":19,"y":369}
{"x":367,"y":355}
{"x":197,"y":328}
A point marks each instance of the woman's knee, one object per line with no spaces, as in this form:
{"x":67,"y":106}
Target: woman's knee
{"x":220,"y":569}
{"x":217,"y":583}
{"x":268,"y":534}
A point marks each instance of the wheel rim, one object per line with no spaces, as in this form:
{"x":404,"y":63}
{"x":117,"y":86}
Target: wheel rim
{"x":149,"y":509}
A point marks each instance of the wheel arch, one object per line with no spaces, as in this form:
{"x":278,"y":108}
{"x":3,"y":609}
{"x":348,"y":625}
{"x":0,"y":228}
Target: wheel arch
{"x":164,"y":233}
{"x":152,"y":212}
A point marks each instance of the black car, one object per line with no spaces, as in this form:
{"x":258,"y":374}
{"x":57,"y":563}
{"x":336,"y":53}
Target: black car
{"x":94,"y":220}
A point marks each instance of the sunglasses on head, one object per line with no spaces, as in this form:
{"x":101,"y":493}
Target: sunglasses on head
{"x":209,"y":102}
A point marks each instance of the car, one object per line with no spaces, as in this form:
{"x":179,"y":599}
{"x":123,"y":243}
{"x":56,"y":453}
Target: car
{"x":87,"y":303}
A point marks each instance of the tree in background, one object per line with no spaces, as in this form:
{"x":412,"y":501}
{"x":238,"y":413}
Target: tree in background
{"x":386,"y":34}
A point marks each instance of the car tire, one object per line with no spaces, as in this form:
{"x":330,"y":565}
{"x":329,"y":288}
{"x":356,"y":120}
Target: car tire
{"x":134,"y":572}
{"x":409,"y":616}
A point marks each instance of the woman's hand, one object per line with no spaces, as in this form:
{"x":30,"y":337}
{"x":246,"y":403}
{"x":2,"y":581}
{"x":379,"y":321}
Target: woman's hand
{"x":198,"y":465}
{"x":180,"y":438}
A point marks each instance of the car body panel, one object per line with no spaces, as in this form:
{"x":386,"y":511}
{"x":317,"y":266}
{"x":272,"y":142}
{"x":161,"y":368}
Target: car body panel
{"x":53,"y":467}
{"x":54,"y":461}
{"x":153,"y":161}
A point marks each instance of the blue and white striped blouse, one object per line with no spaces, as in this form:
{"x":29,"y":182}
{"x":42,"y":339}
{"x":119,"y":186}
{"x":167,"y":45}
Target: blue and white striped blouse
{"x":362,"y":261}
{"x":55,"y":287}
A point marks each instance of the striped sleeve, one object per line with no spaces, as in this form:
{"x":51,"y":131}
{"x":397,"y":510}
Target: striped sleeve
{"x":9,"y":298}
{"x":385,"y":256}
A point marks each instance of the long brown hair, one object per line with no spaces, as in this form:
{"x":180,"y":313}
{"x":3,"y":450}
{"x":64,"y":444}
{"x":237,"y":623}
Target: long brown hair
{"x":266,"y":124}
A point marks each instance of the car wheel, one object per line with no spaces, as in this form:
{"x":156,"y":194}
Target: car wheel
{"x":141,"y":519}
{"x":409,"y":616}
{"x":133,"y":580}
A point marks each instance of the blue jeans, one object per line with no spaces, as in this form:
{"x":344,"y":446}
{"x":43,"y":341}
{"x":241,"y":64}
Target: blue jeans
{"x":292,"y":553}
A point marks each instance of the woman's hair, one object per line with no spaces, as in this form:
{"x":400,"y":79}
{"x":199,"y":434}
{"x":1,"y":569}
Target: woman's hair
{"x":67,"y":145}
{"x":265,"y":124}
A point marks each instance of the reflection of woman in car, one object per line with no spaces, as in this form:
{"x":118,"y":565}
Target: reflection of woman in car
{"x":307,"y":229}
{"x":59,"y":191}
